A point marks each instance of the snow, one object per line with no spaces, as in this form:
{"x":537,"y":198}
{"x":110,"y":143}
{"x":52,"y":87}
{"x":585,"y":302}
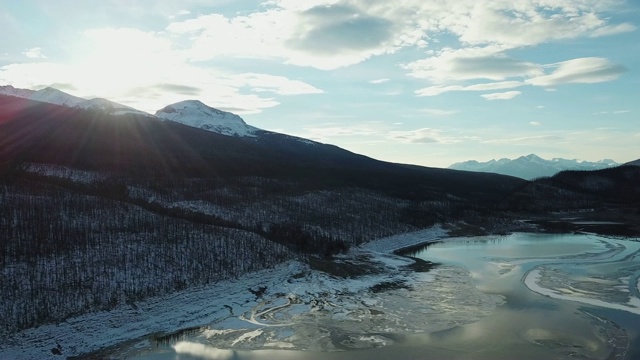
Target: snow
{"x":55,"y":96}
{"x":396,"y":242}
{"x":238,"y":317}
{"x":64,"y":172}
{"x":196,"y":114}
{"x":11,"y":91}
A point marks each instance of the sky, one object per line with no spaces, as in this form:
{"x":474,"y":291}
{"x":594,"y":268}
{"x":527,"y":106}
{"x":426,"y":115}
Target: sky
{"x":427,"y":82}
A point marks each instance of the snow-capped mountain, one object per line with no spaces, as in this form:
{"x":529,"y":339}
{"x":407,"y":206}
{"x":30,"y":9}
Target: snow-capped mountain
{"x":531,"y":166}
{"x":54,"y":96}
{"x":196,"y":114}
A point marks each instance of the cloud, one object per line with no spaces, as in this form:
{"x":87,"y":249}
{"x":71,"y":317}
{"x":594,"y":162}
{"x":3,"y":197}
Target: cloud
{"x":329,"y":34}
{"x":423,"y":136}
{"x":437,"y":90}
{"x":501,"y":96}
{"x":613,"y":30}
{"x":151,"y":75}
{"x":276,"y":84}
{"x":535,"y":123}
{"x":379,"y":81}
{"x":178,"y":89}
{"x":582,"y":70}
{"x":325,"y":132}
{"x":34,"y":53}
{"x":526,"y":23}
{"x":439,"y":112}
{"x":526,"y":140}
{"x":616,"y":112}
{"x":325,"y":30}
{"x":471,"y":63}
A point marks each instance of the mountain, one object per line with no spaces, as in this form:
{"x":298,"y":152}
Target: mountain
{"x":635,"y":163}
{"x":54,"y":96}
{"x":11,"y":91}
{"x":531,"y":166}
{"x":87,"y":140}
{"x":196,"y":114}
{"x":109,"y":106}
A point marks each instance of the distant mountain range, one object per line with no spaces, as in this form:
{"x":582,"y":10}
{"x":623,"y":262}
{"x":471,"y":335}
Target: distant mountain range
{"x":531,"y":166}
{"x":55,"y":96}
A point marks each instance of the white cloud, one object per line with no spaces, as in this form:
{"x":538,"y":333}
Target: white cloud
{"x":424,"y":136}
{"x":437,"y":90}
{"x":613,"y":30}
{"x":526,"y":140}
{"x":535,"y":123}
{"x":379,"y":81}
{"x":501,"y":96}
{"x":439,"y":112}
{"x":328,"y":132}
{"x":34,"y":53}
{"x":277,"y":84}
{"x":143,"y":70}
{"x":526,"y":23}
{"x":581,"y":70}
{"x":471,"y":63}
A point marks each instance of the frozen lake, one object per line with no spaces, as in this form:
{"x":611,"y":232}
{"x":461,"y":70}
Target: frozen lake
{"x":525,"y":296}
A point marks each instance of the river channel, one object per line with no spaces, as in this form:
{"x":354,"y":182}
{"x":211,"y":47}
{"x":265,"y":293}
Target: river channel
{"x":524,"y":296}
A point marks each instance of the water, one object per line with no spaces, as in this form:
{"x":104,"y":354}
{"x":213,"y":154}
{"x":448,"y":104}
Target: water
{"x":525,"y":296}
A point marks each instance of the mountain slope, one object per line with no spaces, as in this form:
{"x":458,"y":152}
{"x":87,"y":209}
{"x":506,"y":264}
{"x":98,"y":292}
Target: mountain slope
{"x":531,"y":166}
{"x":45,"y":133}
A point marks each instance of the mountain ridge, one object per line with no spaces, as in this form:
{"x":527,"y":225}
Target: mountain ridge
{"x":531,"y":166}
{"x":58,"y":97}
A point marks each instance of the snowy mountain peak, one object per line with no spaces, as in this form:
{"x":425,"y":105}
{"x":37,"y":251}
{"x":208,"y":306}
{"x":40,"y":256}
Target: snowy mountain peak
{"x":55,"y":96}
{"x":197,"y":114}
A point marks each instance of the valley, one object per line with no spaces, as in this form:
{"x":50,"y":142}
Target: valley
{"x":112,"y":219}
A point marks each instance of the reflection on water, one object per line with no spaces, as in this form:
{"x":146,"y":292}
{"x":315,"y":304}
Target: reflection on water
{"x":557,"y":297}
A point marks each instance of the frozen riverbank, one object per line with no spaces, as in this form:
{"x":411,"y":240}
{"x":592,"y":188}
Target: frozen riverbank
{"x":234,"y":305}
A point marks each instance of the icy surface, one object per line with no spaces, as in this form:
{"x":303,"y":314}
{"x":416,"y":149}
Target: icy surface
{"x":196,"y":114}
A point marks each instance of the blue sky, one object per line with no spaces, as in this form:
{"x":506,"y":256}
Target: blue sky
{"x":428,"y":82}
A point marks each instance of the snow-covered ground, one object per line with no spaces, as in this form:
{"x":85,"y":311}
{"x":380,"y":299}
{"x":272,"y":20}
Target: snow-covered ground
{"x":401,"y":241}
{"x":295,"y":301}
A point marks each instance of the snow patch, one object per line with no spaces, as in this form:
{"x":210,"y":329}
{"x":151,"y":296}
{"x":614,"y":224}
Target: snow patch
{"x":196,"y":114}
